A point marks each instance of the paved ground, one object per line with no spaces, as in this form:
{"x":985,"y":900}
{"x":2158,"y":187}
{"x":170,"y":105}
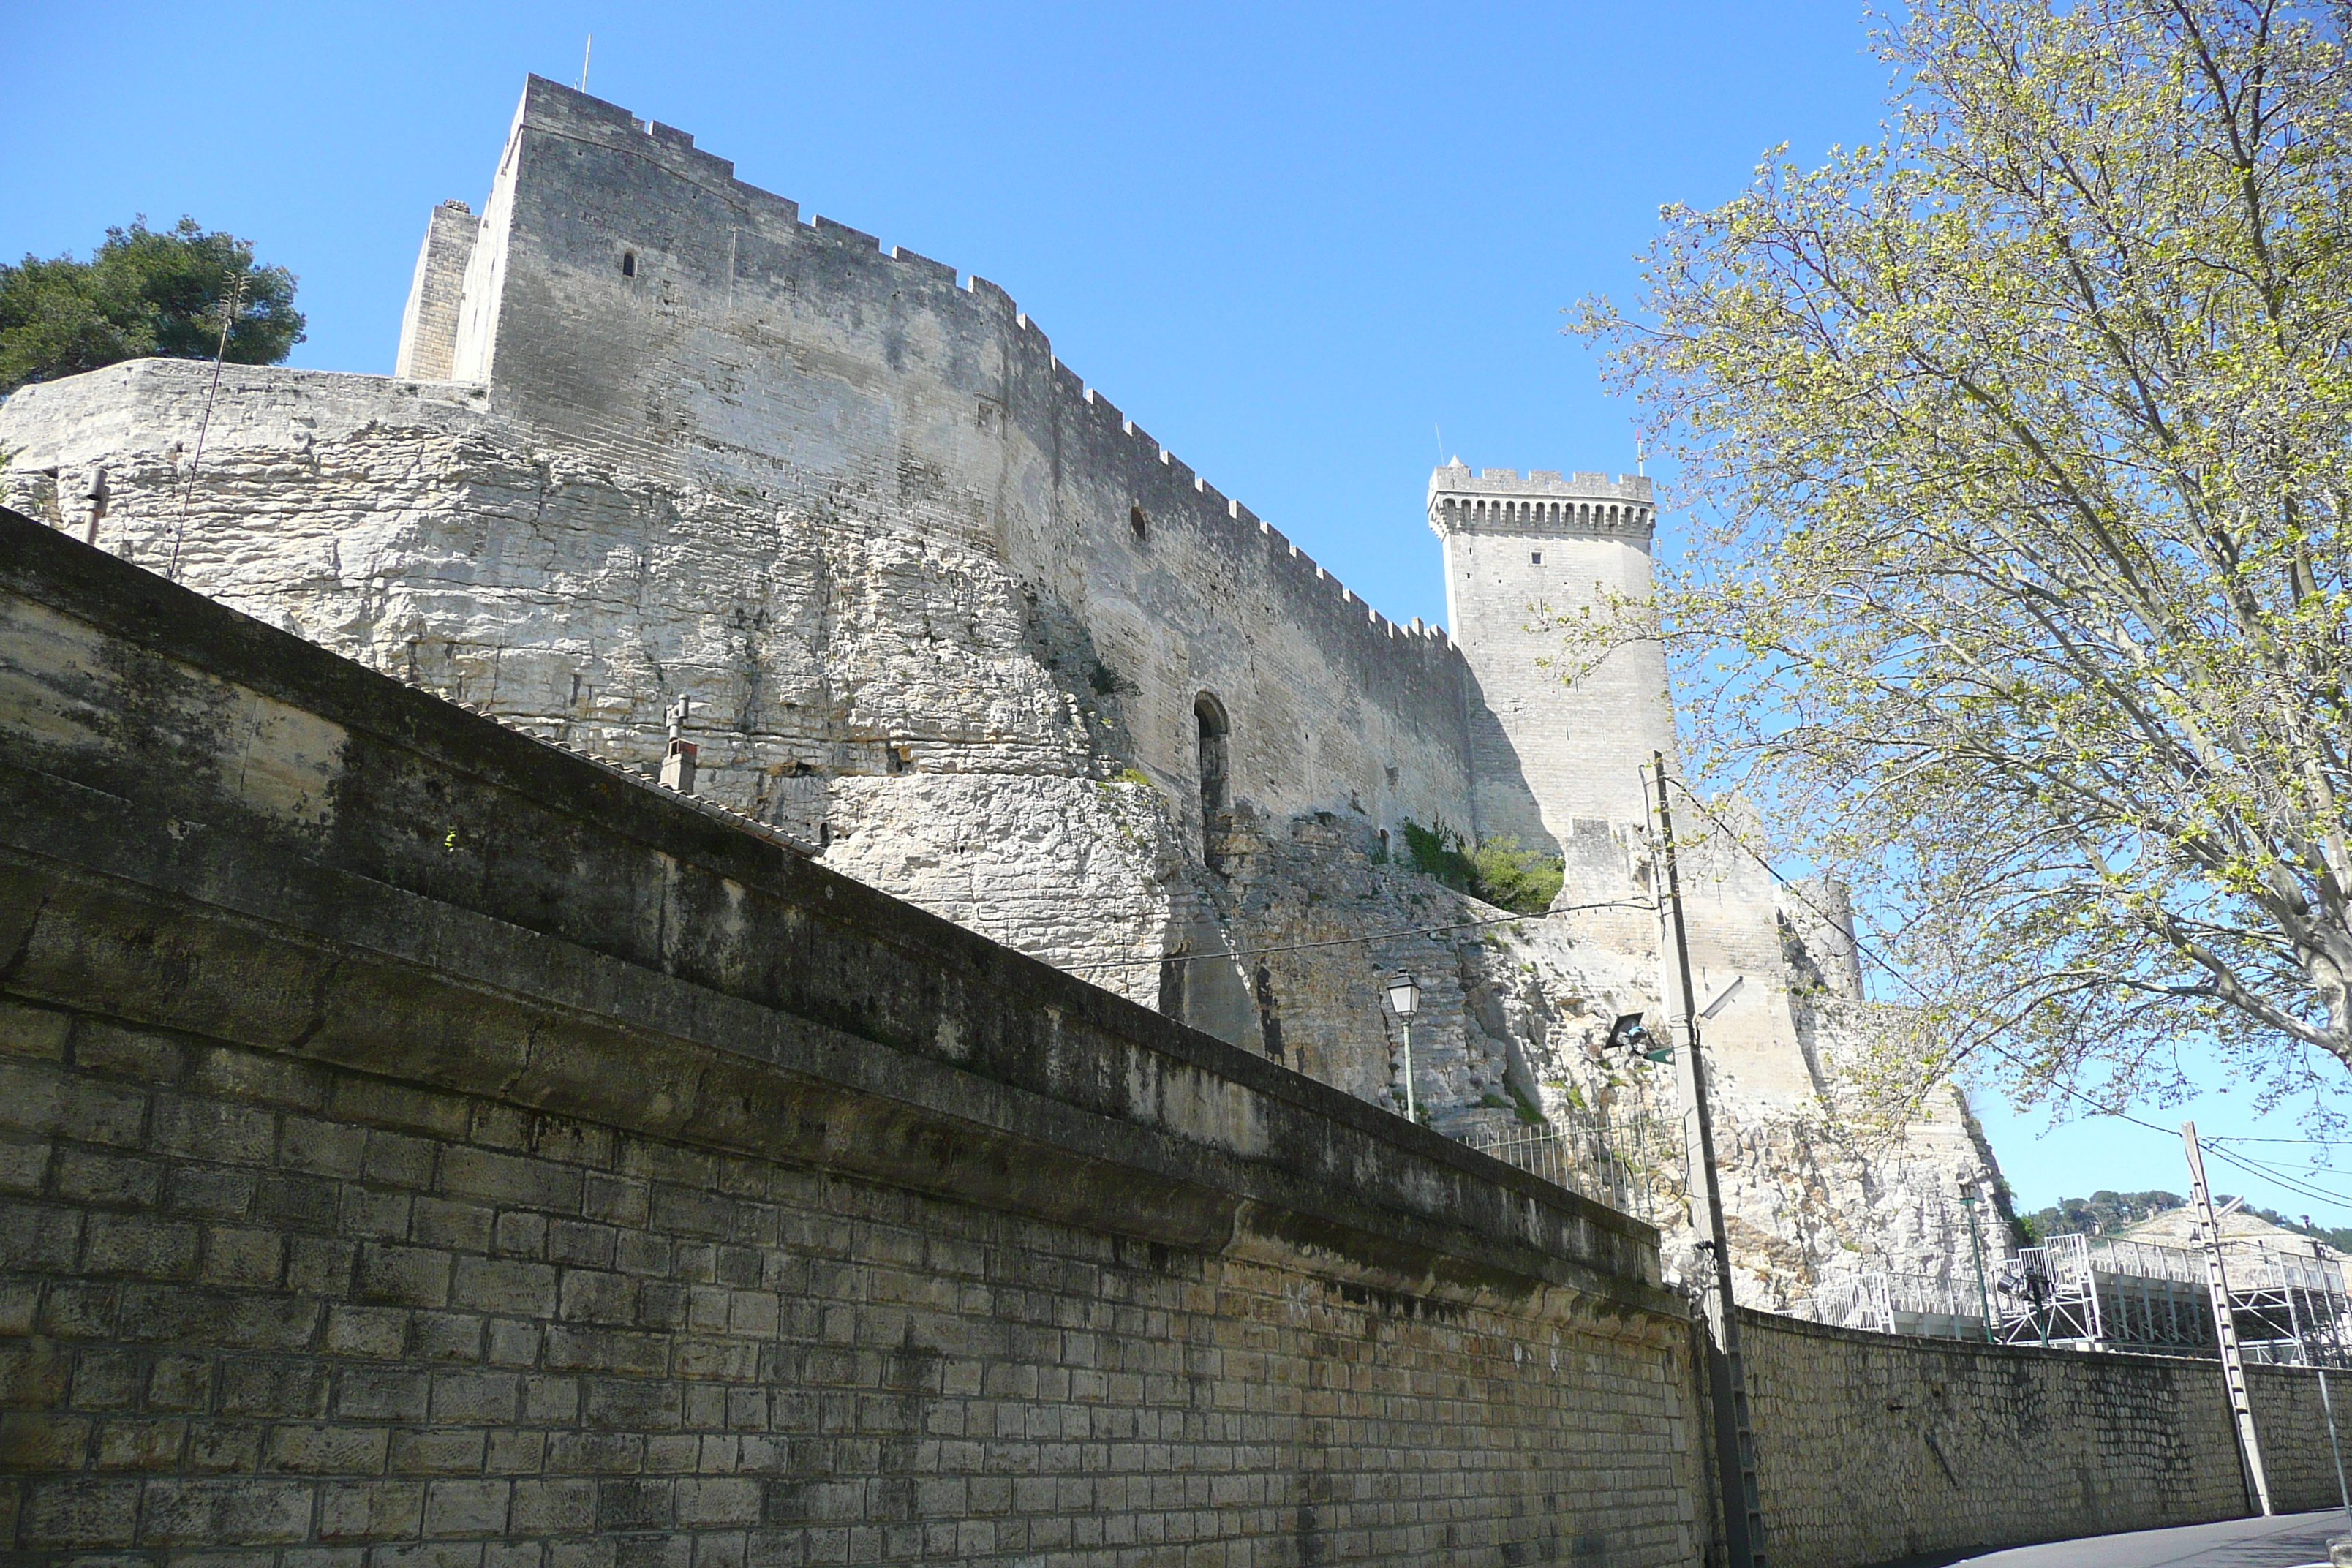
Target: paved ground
{"x":2288,"y":1541}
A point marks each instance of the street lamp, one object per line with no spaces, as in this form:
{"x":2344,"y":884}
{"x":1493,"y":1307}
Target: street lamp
{"x":1630,"y":1033}
{"x":1404,"y":1001}
{"x":1976,"y":1247}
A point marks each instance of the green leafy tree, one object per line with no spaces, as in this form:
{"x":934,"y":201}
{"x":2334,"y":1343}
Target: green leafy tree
{"x":2021,"y":445}
{"x":144,"y":292}
{"x":2107,"y":1213}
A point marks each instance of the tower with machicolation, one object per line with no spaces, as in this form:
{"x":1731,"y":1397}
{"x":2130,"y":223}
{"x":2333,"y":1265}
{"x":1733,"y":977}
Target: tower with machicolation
{"x":1521,"y":554}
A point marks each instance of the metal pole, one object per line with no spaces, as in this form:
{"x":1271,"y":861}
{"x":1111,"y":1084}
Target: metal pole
{"x":2327,"y":1407}
{"x":2225,"y":1324}
{"x":1976,"y":1247}
{"x":1410,"y":1114}
{"x":229,"y":304}
{"x":1743,"y":1509}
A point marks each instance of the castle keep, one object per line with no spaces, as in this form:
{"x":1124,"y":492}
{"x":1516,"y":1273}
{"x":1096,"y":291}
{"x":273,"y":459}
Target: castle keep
{"x":953,"y":622}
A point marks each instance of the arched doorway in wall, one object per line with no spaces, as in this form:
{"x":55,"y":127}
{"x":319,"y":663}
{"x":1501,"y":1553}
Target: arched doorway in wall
{"x":1216,"y":791}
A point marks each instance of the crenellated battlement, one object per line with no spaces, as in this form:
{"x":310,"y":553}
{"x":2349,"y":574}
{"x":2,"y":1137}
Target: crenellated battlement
{"x":1457,"y":478}
{"x":969,"y":306}
{"x":1542,"y":504}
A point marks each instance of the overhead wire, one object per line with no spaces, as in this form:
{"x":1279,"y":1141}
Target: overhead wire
{"x":2294,"y":1184}
{"x":1350,"y":941}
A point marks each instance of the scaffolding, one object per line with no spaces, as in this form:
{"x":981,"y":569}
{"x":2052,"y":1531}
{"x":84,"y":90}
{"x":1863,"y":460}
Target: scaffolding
{"x":2082,"y":1292}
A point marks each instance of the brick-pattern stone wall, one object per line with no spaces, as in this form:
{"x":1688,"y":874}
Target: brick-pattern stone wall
{"x":270,"y":1312}
{"x":1873,"y":1446}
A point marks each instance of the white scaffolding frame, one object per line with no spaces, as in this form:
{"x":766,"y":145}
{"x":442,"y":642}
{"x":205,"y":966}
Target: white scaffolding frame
{"x":2105,"y":1293}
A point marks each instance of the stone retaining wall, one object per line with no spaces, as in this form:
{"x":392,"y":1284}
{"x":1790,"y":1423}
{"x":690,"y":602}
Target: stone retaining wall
{"x":426,"y":1149}
{"x":423,"y":1148}
{"x":1871,"y":1448}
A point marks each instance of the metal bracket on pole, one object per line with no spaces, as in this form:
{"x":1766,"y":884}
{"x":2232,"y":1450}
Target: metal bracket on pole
{"x":1735,"y":1438}
{"x":2225,"y":1324}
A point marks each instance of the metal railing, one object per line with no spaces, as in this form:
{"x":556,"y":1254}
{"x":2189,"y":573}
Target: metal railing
{"x":1890,"y":1302}
{"x":1584,"y":1160}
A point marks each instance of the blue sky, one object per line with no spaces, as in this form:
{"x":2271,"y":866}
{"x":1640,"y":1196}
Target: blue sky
{"x":1292,"y":242}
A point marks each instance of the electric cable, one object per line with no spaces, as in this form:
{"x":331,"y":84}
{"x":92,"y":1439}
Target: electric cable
{"x":1347,"y":940}
{"x":2292,"y":1184}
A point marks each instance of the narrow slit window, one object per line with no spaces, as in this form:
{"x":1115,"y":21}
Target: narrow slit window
{"x":1215,"y":797}
{"x":1139,"y":522}
{"x":628,"y":263}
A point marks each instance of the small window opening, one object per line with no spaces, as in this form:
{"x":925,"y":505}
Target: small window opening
{"x":1215,"y":794}
{"x":1136,"y":520}
{"x":1534,"y":557}
{"x":628,"y":263}
{"x":1385,"y":846}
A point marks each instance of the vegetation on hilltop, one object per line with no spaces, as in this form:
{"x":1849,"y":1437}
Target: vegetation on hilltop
{"x":2105,"y":1212}
{"x":144,"y":292}
{"x":2020,"y":447}
{"x":1524,"y":881}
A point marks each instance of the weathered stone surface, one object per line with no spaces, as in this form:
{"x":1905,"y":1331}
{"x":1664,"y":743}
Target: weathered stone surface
{"x":947,"y":615}
{"x":449,"y":1147}
{"x":427,"y":1144}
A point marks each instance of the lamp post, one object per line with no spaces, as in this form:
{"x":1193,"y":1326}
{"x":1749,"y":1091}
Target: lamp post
{"x":1404,"y":1001}
{"x":1976,"y":1247}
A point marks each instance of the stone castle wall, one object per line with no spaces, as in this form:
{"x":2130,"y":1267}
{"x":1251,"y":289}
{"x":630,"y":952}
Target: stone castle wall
{"x":659,"y":313}
{"x":428,"y":328}
{"x":421,"y":1145}
{"x":950,"y":619}
{"x":1519,"y":552}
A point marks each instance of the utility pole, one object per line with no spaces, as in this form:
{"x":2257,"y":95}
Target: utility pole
{"x":2326,"y":1406}
{"x":232,"y":301}
{"x":1735,"y":1439}
{"x":2225,"y":1323}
